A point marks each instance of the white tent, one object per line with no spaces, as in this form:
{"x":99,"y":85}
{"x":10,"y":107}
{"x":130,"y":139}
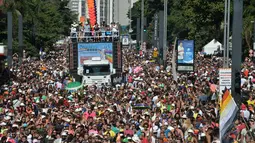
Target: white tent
{"x":211,"y":47}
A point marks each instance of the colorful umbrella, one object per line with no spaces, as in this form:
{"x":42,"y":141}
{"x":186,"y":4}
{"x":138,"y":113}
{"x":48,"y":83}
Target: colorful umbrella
{"x":73,"y":86}
{"x":138,"y":69}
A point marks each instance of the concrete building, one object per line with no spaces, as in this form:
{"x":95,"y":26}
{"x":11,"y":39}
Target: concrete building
{"x":79,"y":7}
{"x":107,"y":10}
{"x":113,"y":11}
{"x":121,"y":10}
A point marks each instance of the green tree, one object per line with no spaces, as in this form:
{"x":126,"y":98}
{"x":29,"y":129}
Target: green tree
{"x":190,"y":19}
{"x":45,"y":22}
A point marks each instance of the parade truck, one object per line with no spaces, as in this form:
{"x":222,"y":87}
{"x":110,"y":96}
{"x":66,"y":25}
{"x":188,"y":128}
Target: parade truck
{"x":95,"y":63}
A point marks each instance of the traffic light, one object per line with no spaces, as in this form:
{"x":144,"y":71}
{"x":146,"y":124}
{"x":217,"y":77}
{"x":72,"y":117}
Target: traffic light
{"x":238,"y":82}
{"x":144,"y":28}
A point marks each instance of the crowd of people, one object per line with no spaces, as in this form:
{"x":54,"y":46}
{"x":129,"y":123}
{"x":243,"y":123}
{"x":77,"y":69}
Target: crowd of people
{"x":243,"y":129}
{"x":96,"y":33}
{"x":36,"y":108}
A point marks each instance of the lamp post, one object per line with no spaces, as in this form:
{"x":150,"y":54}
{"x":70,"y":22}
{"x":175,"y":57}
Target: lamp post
{"x":228,"y":25}
{"x":253,"y":58}
{"x":165,"y":33}
{"x":130,"y":20}
{"x":9,"y":25}
{"x":142,"y":21}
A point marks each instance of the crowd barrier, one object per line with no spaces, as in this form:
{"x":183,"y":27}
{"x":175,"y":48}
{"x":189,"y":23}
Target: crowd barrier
{"x":94,"y":34}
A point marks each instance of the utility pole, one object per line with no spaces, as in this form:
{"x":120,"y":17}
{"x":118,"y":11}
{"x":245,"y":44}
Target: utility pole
{"x":142,"y":21}
{"x":165,"y":33}
{"x":20,"y":38}
{"x":254,"y":41}
{"x":118,"y":10}
{"x":130,"y":17}
{"x":228,"y":25}
{"x":9,"y":25}
{"x":225,"y":34}
{"x":237,"y":51}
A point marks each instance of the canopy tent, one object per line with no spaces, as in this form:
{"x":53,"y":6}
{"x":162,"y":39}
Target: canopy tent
{"x":211,"y":47}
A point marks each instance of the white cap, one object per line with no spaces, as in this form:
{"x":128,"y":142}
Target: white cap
{"x":3,"y":124}
{"x":155,"y":128}
{"x":190,"y":131}
{"x":184,"y":116}
{"x":15,"y":125}
{"x":10,"y":114}
{"x":78,"y":110}
{"x":63,"y":134}
{"x":7,"y":118}
{"x":136,"y":139}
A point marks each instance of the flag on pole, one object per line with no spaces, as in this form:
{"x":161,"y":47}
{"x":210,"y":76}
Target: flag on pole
{"x":228,"y":112}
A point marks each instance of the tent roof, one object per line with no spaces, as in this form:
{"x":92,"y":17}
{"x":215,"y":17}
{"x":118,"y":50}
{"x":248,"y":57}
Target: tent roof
{"x":213,"y":43}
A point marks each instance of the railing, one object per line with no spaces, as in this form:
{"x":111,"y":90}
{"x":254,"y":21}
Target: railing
{"x":92,"y":36}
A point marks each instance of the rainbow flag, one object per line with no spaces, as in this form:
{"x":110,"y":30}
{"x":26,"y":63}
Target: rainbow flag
{"x":228,"y":112}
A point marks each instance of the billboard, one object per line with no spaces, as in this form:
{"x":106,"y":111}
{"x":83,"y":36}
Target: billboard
{"x":125,"y":40}
{"x":185,"y":55}
{"x":86,"y":51}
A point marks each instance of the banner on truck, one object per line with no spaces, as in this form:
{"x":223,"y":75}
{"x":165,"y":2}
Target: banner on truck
{"x":87,"y":51}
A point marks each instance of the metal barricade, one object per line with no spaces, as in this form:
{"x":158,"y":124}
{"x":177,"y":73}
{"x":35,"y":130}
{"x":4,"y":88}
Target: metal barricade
{"x":90,"y":36}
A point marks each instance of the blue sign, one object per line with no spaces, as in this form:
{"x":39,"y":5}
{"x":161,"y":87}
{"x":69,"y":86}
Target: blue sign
{"x":86,"y":51}
{"x":185,"y":54}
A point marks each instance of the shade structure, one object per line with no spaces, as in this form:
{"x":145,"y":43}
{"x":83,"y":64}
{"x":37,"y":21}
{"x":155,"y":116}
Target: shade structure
{"x":140,"y":106}
{"x":73,"y":86}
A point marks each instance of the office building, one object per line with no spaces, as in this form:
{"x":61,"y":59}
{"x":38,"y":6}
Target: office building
{"x":120,"y":10}
{"x":106,"y":10}
{"x":79,"y":7}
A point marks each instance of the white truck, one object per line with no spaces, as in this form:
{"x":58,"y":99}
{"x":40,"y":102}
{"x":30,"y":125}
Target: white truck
{"x":96,"y":71}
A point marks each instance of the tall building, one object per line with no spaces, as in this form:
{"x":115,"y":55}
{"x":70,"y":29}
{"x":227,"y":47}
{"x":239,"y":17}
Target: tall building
{"x":121,"y":8}
{"x":105,"y":11}
{"x":79,"y":7}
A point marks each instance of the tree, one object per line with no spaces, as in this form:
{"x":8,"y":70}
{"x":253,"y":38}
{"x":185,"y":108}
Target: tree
{"x":45,"y":22}
{"x":190,"y":19}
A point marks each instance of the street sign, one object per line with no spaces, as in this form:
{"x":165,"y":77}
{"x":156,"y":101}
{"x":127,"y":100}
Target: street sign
{"x":225,"y":79}
{"x":125,"y":40}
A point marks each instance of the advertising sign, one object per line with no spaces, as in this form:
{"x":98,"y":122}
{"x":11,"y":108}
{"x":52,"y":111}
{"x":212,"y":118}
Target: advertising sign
{"x":87,"y":51}
{"x":125,"y":40}
{"x":155,"y":39}
{"x":185,"y":55}
{"x":185,"y":52}
{"x":225,"y":79}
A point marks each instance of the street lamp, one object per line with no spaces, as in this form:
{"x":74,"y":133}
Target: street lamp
{"x":130,"y":19}
{"x":226,"y":34}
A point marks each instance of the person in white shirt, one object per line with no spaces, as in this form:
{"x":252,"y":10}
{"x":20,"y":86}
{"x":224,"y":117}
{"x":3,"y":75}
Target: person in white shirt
{"x":180,"y":52}
{"x":114,"y":28}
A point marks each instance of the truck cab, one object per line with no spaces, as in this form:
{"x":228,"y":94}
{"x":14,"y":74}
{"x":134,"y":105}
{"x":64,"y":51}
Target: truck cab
{"x":96,"y":71}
